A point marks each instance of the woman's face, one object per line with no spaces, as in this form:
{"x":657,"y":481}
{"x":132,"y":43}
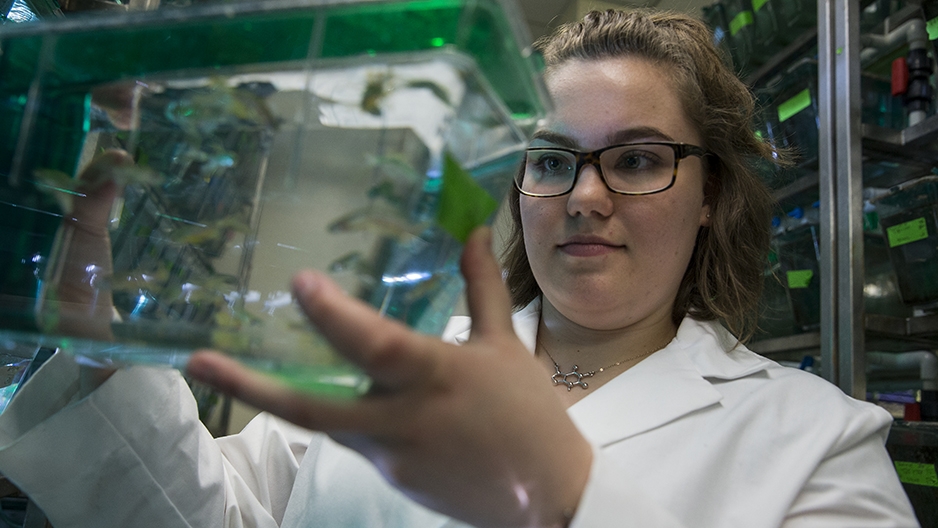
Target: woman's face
{"x":603,"y":260}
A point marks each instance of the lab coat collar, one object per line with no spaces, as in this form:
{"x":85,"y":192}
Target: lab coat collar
{"x":665,"y":386}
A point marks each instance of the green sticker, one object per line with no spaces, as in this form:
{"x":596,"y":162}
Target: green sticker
{"x":740,"y":21}
{"x":794,"y":105}
{"x":932,"y":27}
{"x":799,"y":278}
{"x":464,"y":205}
{"x":915,"y":473}
{"x":757,"y":4}
{"x":907,"y":232}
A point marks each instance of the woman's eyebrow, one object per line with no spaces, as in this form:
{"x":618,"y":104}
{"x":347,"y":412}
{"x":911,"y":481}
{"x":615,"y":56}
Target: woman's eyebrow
{"x":555,"y":138}
{"x":629,"y":135}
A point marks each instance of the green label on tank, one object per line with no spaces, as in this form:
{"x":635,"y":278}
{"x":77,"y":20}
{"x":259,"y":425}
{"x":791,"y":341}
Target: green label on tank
{"x":799,"y":278}
{"x":932,"y":27}
{"x":794,"y":105}
{"x":757,"y":4}
{"x":464,"y":205}
{"x":915,"y":473}
{"x":740,"y":21}
{"x":907,"y":232}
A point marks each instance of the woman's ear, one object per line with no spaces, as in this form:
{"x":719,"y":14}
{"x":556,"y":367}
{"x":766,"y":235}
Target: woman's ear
{"x":705,"y":215}
{"x":709,"y":197}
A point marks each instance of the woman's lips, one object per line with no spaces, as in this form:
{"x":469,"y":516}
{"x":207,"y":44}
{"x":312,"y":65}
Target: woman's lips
{"x":588,"y":247}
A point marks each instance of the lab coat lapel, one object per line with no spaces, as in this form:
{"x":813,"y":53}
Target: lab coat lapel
{"x":658,"y":390}
{"x":667,"y":385}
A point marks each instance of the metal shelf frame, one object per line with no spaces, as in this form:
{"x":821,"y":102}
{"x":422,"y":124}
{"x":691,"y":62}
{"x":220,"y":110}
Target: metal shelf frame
{"x":840,"y":187}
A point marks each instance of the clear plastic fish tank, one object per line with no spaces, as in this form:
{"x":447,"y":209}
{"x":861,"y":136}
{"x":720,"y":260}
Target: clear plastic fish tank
{"x":363,"y":138}
{"x":908,"y":217}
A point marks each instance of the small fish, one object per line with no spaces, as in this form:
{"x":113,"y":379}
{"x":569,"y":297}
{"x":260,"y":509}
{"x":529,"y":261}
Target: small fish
{"x":395,"y":167}
{"x":424,"y":288}
{"x":63,"y":187}
{"x":234,"y":318}
{"x":55,"y":180}
{"x":136,"y":281}
{"x":385,"y":190}
{"x":197,"y":235}
{"x":203,"y":110}
{"x":60,"y":186}
{"x":376,"y":89}
{"x":135,"y":175}
{"x":212,"y":289}
{"x":434,"y":88}
{"x":379,"y":220}
{"x":349,"y":262}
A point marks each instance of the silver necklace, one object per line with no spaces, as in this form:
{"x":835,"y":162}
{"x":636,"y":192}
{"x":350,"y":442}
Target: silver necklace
{"x":574,"y":378}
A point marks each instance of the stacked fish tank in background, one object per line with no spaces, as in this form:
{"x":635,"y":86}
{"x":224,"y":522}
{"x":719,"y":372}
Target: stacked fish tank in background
{"x":363,"y":138}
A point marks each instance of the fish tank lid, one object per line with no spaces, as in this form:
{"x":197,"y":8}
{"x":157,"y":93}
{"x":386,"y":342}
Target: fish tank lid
{"x":221,"y":34}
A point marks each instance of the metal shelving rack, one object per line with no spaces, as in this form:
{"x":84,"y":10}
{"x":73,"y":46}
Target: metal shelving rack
{"x":844,"y":142}
{"x":846,"y":330}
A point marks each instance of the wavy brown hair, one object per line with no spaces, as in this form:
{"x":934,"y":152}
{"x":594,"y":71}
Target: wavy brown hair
{"x":724,"y":278}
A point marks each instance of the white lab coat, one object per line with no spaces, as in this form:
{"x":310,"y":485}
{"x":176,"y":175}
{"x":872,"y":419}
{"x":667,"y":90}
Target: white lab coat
{"x":700,"y":434}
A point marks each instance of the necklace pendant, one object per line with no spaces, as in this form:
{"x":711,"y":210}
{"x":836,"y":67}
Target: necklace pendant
{"x":571,"y":379}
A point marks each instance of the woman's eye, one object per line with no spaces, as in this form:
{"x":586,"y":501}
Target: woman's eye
{"x":633,"y":161}
{"x":550,"y":163}
{"x":553,"y":164}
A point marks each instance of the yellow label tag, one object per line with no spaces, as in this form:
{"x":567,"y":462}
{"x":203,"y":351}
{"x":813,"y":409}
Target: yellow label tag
{"x":916,"y":473}
{"x":740,"y":21}
{"x":794,"y":105}
{"x":799,"y":278}
{"x":907,"y":232}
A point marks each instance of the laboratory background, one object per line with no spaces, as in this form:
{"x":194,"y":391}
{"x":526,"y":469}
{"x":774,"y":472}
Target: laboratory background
{"x":215,"y":217}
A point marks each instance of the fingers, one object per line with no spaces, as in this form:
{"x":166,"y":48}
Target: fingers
{"x":93,"y":208}
{"x":97,"y":172}
{"x":263,"y":392}
{"x":486,"y":295}
{"x":386,"y":350}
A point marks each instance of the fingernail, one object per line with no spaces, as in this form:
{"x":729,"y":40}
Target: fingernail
{"x":306,"y":283}
{"x":198,"y":370}
{"x":486,"y":236}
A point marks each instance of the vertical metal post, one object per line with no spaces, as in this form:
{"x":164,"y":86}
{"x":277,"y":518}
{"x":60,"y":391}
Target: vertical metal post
{"x":826,"y":170}
{"x":841,"y":188}
{"x":849,"y":200}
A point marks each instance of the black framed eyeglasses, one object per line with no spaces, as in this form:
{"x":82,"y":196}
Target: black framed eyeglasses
{"x":630,"y":168}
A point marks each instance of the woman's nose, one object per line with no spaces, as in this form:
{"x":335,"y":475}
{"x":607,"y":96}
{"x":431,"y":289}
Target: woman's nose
{"x":590,"y":194}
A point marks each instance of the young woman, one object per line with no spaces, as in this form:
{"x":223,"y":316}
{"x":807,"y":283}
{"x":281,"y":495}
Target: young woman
{"x":614,"y":396}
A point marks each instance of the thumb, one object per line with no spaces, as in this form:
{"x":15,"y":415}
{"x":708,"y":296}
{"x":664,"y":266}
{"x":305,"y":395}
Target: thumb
{"x":486,"y":294}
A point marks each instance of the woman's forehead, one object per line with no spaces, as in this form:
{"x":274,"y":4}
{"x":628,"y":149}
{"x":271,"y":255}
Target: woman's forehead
{"x":617,"y":99}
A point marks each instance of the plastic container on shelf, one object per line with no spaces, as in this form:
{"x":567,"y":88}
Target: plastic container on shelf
{"x":797,"y":243}
{"x":767,"y":127}
{"x":775,"y":316}
{"x":880,"y":286}
{"x":908,"y":216}
{"x":739,"y":18}
{"x":767,"y":38}
{"x":876,"y":11}
{"x":879,"y":106}
{"x":715,"y":17}
{"x":793,"y":95}
{"x":361,"y":138}
{"x":794,"y":17}
{"x":794,"y":98}
{"x":798,"y":247}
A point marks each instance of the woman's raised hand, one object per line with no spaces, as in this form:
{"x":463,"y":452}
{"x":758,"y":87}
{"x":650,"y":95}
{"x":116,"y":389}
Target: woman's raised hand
{"x":473,"y":431}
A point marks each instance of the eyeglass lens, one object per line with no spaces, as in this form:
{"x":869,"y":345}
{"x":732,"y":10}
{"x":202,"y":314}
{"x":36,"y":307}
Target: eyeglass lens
{"x":627,"y":168}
